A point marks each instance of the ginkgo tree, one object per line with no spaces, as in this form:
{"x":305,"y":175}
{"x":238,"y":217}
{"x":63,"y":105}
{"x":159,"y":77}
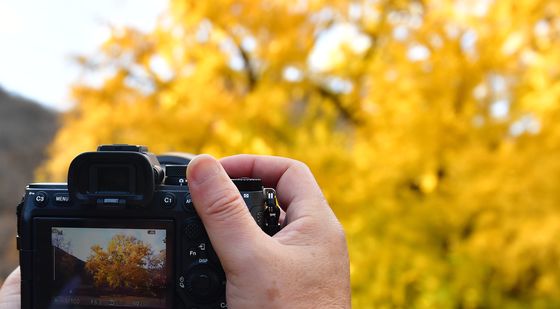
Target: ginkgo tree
{"x":126,"y":263}
{"x":432,"y":126}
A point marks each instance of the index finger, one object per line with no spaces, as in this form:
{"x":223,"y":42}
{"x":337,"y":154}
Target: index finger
{"x":292,"y":179}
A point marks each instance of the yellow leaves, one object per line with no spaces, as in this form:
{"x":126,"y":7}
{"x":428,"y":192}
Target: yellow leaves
{"x":259,"y":146}
{"x":513,"y":43}
{"x":527,"y":253}
{"x":169,"y":100}
{"x":445,"y":204}
{"x":127,"y":263}
{"x":428,"y":182}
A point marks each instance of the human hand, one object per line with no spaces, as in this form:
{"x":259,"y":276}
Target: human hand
{"x":10,"y":291}
{"x":305,"y":265}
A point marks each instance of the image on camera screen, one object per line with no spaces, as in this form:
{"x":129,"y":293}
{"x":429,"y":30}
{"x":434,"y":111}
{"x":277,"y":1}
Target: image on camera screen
{"x":109,"y":267}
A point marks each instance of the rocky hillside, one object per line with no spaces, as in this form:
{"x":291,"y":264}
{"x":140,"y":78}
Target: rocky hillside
{"x":26,"y":129}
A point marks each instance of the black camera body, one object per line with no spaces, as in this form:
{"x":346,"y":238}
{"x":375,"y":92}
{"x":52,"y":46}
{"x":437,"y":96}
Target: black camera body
{"x":123,"y":233}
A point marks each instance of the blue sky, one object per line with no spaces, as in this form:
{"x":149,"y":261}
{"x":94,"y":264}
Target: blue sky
{"x":38,"y":38}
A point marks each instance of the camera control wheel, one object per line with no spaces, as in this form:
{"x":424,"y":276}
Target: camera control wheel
{"x":202,"y":284}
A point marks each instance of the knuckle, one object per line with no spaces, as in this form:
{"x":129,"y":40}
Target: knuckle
{"x":301,"y":166}
{"x":225,"y":204}
{"x":338,"y":236}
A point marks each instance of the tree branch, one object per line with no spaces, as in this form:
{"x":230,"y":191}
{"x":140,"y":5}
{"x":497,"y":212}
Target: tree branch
{"x":249,"y":71}
{"x":335,"y":99}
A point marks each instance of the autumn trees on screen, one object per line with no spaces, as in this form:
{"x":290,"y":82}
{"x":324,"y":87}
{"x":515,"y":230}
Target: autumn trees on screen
{"x":432,"y":126}
{"x":127,"y":264}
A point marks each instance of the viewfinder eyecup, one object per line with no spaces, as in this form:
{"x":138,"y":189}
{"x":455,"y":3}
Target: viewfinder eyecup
{"x":124,"y":176}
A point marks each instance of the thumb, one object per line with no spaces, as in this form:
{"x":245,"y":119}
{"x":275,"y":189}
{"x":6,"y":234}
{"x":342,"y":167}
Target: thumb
{"x":231,"y":228}
{"x":10,"y":291}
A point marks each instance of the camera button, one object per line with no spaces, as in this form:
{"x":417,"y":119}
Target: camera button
{"x":188,"y":205}
{"x":41,"y":199}
{"x":194,"y":230}
{"x":168,"y":200}
{"x":192,"y":253}
{"x":201,"y":283}
{"x":62,"y":199}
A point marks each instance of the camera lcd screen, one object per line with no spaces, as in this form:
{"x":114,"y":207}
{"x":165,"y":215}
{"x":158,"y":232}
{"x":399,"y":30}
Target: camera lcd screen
{"x":114,"y":178}
{"x":109,"y":267}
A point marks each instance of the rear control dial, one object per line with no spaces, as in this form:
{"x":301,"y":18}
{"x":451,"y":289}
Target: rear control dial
{"x":201,"y":284}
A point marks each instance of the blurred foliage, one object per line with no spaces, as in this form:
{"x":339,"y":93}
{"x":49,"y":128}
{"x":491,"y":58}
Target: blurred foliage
{"x":432,"y":126}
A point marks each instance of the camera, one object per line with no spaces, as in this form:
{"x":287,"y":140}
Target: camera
{"x":123,"y":233}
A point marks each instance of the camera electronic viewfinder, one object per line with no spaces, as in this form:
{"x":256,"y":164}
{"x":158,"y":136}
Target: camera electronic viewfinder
{"x":123,"y":233}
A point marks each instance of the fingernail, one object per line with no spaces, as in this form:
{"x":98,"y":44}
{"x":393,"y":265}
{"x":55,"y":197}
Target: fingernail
{"x":202,"y":168}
